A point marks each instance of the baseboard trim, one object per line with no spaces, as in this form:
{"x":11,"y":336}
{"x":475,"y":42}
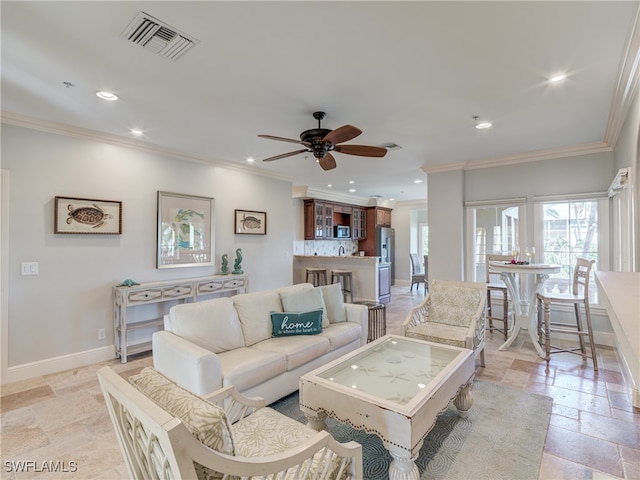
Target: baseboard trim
{"x":58,"y":364}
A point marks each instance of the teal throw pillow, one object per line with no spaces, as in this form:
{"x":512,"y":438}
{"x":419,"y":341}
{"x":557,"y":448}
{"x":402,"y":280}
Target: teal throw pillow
{"x":286,"y":324}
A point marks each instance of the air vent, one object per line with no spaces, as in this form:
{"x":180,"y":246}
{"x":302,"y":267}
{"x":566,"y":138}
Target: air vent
{"x":158,"y":37}
{"x":391,"y":146}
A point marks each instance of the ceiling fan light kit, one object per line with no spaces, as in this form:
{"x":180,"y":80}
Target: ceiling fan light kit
{"x":321,"y":141}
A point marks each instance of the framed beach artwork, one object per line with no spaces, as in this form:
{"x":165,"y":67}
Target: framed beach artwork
{"x":250,"y":222}
{"x":87,"y":216}
{"x":185,"y":230}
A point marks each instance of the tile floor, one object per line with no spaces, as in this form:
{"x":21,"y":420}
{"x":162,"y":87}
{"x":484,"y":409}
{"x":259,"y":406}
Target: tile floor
{"x":594,"y":431}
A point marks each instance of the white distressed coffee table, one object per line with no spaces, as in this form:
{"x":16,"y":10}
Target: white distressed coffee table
{"x":395,"y":388}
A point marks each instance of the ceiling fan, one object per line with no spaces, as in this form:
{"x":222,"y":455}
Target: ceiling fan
{"x":321,"y":141}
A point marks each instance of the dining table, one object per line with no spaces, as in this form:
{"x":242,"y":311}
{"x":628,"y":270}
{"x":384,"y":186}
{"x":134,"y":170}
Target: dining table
{"x":523,"y":280}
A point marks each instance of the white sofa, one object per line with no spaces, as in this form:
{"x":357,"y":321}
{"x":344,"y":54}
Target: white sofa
{"x":227,"y":341}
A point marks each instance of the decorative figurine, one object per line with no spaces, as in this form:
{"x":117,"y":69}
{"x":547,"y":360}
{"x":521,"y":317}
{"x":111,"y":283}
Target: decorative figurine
{"x":224,"y":267}
{"x":237,"y":265}
{"x":128,"y":283}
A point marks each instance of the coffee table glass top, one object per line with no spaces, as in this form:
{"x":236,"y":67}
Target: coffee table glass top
{"x":395,"y":369}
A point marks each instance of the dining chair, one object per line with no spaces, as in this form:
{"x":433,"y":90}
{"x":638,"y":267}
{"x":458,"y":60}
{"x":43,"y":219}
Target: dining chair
{"x":496,"y":286}
{"x":418,"y":275}
{"x":579,"y":295}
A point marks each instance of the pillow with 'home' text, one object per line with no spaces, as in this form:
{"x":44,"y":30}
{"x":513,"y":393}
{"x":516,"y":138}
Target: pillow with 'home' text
{"x":286,"y":324}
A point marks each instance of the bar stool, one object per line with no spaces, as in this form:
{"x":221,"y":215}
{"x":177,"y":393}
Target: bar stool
{"x":342,"y":277}
{"x":317,"y":275}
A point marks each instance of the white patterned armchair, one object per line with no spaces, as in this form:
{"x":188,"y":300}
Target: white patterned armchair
{"x":224,"y":435}
{"x":453,"y":313}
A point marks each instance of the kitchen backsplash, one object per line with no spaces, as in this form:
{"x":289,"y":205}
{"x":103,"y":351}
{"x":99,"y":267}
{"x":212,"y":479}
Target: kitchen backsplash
{"x":326,"y":248}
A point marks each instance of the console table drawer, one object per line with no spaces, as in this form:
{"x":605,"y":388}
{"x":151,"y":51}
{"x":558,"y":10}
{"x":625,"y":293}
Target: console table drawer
{"x":235,"y":283}
{"x":179,"y":291}
{"x":144,"y":295}
{"x":210,"y":287}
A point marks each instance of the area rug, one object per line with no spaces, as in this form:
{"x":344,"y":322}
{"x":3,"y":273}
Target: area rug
{"x":502,"y":437}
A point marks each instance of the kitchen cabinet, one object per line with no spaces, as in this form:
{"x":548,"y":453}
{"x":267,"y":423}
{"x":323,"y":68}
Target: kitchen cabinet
{"x":383,"y":216}
{"x":375,"y":217}
{"x":318,"y":220}
{"x":384,"y":282}
{"x":139,"y":310}
{"x":358,"y":224}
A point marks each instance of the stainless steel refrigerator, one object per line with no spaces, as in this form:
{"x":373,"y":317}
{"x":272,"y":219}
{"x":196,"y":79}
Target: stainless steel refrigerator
{"x":385,"y":248}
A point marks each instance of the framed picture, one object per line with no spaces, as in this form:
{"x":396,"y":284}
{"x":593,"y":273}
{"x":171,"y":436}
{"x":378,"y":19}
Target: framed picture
{"x":250,"y":222}
{"x":185,"y":230}
{"x":87,"y":216}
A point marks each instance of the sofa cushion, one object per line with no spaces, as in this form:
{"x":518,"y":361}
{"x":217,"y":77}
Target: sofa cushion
{"x":294,"y":288}
{"x":303,"y":301}
{"x":248,"y":367}
{"x":202,"y":322}
{"x":297,"y":350}
{"x":205,"y":420}
{"x":340,"y":334}
{"x":254,"y":311}
{"x":287,"y":324}
{"x":334,"y":302}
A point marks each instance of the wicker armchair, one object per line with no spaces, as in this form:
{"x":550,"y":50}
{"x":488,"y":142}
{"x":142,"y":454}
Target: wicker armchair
{"x":223,"y":436}
{"x":453,"y":313}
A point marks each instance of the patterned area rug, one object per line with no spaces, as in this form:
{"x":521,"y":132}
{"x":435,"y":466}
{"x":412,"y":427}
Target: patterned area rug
{"x":501,"y":438}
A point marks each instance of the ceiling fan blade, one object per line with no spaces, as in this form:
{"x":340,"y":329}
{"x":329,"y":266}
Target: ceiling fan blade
{"x":361,"y":150}
{"x":285,"y":155}
{"x":282,"y":139}
{"x":342,"y":134}
{"x":328,"y":162}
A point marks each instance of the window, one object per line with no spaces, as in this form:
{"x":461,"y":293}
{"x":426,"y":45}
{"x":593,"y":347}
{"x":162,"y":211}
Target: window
{"x":567,"y":229}
{"x":495,"y":229}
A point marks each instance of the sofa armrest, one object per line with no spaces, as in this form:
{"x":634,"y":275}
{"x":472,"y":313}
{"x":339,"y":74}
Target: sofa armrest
{"x":358,"y":314}
{"x":190,"y":366}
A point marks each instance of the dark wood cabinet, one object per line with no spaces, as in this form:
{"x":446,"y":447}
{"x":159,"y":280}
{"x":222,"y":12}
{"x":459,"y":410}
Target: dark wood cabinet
{"x":318,"y":220}
{"x":375,"y":217}
{"x":358,"y":224}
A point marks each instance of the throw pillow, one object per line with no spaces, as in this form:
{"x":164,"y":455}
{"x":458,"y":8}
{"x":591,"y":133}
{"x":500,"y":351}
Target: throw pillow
{"x":290,"y":323}
{"x":204,"y":420}
{"x":334,"y":302}
{"x":305,"y":301}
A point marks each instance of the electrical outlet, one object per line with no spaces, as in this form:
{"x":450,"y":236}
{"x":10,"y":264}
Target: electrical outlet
{"x":101,"y":334}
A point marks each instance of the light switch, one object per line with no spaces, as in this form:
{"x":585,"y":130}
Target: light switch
{"x":29,"y":268}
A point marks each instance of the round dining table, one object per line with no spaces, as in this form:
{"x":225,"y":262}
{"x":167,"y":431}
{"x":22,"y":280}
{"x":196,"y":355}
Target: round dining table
{"x":523,"y":282}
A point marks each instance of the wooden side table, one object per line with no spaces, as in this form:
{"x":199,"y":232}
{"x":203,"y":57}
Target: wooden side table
{"x":377,"y":320}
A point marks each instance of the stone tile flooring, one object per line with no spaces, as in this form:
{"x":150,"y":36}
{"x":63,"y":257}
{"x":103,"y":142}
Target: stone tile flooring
{"x":594,"y":431}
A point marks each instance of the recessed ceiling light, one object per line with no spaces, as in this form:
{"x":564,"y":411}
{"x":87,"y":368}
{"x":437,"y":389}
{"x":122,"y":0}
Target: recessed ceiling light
{"x":137,"y":132}
{"x":351,"y":182}
{"x":250,"y":159}
{"x":329,"y":185}
{"x":417,"y":181}
{"x":483,"y":125}
{"x":106,"y":95}
{"x":352,"y":190}
{"x":391,"y":199}
{"x":558,"y":78}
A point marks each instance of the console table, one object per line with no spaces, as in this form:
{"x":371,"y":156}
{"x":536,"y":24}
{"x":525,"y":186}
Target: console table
{"x":154,"y":299}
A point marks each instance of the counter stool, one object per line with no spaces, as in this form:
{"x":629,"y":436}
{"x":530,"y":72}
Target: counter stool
{"x":317,"y":275}
{"x":342,"y":277}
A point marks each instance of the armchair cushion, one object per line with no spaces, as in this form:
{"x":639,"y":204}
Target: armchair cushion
{"x":440,"y":333}
{"x":453,"y":305}
{"x":204,"y":420}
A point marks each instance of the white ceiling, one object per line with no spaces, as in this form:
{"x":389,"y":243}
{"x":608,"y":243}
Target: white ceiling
{"x":413,"y":73}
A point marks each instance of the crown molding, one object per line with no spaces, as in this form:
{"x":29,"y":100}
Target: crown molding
{"x":549,"y":154}
{"x":304,"y":191}
{"x":11,"y":118}
{"x":627,"y":83}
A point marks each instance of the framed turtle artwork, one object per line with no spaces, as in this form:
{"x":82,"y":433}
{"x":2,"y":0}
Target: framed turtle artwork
{"x":87,"y":216}
{"x":250,"y":222}
{"x":185,"y":230}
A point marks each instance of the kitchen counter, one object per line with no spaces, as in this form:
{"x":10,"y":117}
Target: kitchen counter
{"x":366,"y":285}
